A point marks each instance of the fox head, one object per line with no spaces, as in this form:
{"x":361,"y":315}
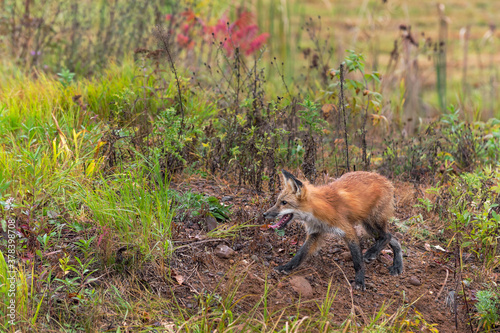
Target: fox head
{"x":290,"y":200}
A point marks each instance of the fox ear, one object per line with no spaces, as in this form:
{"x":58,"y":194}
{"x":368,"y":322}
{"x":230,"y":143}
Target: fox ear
{"x":295,"y":184}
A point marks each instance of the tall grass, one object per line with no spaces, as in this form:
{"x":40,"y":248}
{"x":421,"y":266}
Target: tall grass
{"x":135,"y":207}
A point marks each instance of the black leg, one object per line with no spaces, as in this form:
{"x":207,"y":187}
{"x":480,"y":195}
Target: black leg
{"x":310,"y":245}
{"x":382,"y":238}
{"x":373,"y":252}
{"x":397,"y":264}
{"x":359,"y":266}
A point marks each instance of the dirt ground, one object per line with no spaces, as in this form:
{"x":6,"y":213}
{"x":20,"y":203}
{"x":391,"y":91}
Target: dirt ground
{"x":429,"y":284}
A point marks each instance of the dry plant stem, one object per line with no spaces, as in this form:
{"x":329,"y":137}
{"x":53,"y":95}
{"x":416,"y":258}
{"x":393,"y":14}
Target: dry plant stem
{"x":164,"y":37}
{"x":353,"y":312}
{"x":200,"y":242}
{"x":277,"y":321}
{"x":361,"y":313}
{"x":348,"y":324}
{"x":363,"y":136}
{"x":342,"y":108}
{"x":460,"y":281}
{"x":444,"y":284}
{"x":441,"y":56}
{"x":296,"y":326}
{"x":464,"y":69}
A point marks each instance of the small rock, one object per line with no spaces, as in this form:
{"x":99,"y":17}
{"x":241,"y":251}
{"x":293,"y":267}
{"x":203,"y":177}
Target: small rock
{"x":226,"y":198}
{"x":254,"y":258}
{"x":224,"y":251}
{"x":346,"y":256}
{"x":301,"y":286}
{"x":370,"y":285}
{"x":211,"y":223}
{"x":414,"y":281}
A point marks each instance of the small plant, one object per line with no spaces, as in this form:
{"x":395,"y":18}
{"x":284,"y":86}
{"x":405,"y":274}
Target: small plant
{"x":310,"y":117}
{"x":66,"y":77}
{"x":45,"y":240}
{"x":192,"y":204}
{"x":475,"y":213}
{"x":84,"y":246}
{"x":488,"y":313}
{"x":425,"y":203}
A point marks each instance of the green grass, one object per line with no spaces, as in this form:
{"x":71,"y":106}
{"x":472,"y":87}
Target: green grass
{"x":51,"y":166}
{"x":88,"y":192}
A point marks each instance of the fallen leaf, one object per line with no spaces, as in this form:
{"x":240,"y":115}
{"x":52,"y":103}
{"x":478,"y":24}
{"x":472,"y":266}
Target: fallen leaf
{"x":437,"y":247}
{"x":178,"y":277}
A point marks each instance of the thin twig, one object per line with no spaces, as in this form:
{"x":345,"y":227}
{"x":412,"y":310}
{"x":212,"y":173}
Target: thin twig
{"x":342,"y":108}
{"x":350,"y":289}
{"x":200,"y":242}
{"x":165,"y":39}
{"x":444,"y":284}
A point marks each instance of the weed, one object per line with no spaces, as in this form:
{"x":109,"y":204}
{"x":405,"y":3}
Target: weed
{"x":487,"y":307}
{"x":191,"y":204}
{"x":66,"y":77}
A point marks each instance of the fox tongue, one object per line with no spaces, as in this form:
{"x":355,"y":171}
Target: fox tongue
{"x":280,"y":222}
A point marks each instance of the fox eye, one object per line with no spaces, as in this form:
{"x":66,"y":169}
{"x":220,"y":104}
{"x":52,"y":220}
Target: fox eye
{"x":283,"y":202}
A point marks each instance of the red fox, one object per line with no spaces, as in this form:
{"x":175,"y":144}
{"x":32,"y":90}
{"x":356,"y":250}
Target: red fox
{"x":356,"y":198}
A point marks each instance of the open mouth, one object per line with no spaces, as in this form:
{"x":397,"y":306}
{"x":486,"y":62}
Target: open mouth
{"x":282,"y":222}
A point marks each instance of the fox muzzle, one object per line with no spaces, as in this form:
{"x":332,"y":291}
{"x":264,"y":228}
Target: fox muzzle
{"x":270,"y":214}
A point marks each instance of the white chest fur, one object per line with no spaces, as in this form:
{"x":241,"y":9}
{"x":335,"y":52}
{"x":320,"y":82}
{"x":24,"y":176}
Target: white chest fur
{"x":313,"y":225}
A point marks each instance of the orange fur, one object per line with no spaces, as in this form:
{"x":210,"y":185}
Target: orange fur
{"x":352,"y":198}
{"x":363,"y":198}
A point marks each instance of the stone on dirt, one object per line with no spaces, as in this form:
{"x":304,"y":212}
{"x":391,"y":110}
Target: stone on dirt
{"x":211,"y":223}
{"x":414,"y":281}
{"x":224,"y":251}
{"x":301,"y":286}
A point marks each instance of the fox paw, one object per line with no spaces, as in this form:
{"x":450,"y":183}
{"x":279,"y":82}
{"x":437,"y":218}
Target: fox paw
{"x":285,"y":269}
{"x":369,"y":258}
{"x":395,"y":270}
{"x":359,"y":286}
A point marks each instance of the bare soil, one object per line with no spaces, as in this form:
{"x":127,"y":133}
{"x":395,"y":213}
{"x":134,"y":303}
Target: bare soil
{"x":429,"y":284}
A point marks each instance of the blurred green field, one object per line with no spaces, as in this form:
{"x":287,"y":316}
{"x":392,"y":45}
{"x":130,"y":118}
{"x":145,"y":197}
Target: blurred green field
{"x":372,"y":27}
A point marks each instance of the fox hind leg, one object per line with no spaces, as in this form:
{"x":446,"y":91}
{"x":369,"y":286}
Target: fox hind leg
{"x":397,"y":265}
{"x":382,"y":238}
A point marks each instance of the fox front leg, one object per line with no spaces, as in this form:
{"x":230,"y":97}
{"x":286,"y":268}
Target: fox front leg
{"x":359,"y":265}
{"x":310,"y":246}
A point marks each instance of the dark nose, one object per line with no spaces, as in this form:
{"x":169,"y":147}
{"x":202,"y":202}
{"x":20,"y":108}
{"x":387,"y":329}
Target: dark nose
{"x":265,"y":214}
